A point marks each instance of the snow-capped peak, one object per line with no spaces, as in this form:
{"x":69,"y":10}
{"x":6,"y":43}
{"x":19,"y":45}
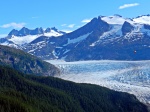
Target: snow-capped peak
{"x":26,"y":35}
{"x":20,"y":40}
{"x":145,"y":19}
{"x":53,"y":32}
{"x":116,"y":19}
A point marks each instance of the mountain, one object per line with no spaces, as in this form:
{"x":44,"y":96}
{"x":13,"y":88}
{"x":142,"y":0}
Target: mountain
{"x":25,"y":35}
{"x":30,"y":93}
{"x":25,"y":62}
{"x":143,"y":19}
{"x":38,"y":31}
{"x":113,"y":38}
{"x":104,"y":37}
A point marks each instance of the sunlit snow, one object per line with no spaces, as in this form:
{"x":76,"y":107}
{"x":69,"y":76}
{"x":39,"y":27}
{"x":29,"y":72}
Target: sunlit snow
{"x":78,"y":39}
{"x":127,"y":76}
{"x":23,"y":39}
{"x":113,"y":33}
{"x":116,"y":20}
{"x":52,"y":33}
{"x":142,"y":20}
{"x":20,"y":40}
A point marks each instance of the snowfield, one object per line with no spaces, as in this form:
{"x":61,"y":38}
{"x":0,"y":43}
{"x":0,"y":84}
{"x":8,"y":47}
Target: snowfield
{"x":126,"y":76}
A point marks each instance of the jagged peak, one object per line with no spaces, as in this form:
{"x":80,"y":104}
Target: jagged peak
{"x":50,"y":29}
{"x":13,"y":32}
{"x":24,"y":28}
{"x":47,"y":30}
{"x":54,"y":28}
{"x":117,"y":15}
{"x":97,"y":19}
{"x":126,"y":22}
{"x":39,"y":28}
{"x":126,"y":28}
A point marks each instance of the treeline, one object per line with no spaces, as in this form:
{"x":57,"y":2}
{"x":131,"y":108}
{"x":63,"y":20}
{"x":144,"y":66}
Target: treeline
{"x":29,"y":93}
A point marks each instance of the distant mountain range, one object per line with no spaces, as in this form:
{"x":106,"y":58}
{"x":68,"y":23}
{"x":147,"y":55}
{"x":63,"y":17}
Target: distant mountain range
{"x":25,"y":31}
{"x":24,"y":36}
{"x":112,"y":37}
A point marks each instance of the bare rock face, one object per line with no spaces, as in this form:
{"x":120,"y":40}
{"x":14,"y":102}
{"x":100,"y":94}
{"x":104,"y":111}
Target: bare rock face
{"x":126,"y":28}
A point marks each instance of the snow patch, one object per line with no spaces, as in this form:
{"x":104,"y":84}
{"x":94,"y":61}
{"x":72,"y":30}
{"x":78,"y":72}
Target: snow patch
{"x":66,"y":51}
{"x":20,"y":40}
{"x":78,"y":39}
{"x":52,"y":33}
{"x":142,"y":20}
{"x":113,"y":33}
{"x":116,"y":20}
{"x":10,"y":45}
{"x":54,"y":53}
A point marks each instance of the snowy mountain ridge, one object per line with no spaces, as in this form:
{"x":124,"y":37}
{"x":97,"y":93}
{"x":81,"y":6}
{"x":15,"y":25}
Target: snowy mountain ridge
{"x":25,"y":35}
{"x":144,"y":19}
{"x":104,"y":37}
{"x":118,"y":19}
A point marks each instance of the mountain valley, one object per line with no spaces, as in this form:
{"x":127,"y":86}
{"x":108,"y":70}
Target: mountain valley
{"x":127,"y":76}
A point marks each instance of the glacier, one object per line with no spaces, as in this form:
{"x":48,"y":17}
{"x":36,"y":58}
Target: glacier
{"x":126,"y":76}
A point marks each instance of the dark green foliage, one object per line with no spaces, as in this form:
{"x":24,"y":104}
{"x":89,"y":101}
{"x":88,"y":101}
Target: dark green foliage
{"x":25,"y":62}
{"x":27,"y":93}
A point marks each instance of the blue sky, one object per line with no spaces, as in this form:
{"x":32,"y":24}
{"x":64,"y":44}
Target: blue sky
{"x":64,"y":14}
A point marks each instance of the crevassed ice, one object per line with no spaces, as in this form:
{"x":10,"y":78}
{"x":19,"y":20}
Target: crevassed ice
{"x":127,"y":76}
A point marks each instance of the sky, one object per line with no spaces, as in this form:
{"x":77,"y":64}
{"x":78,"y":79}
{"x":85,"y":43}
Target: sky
{"x":65,"y":15}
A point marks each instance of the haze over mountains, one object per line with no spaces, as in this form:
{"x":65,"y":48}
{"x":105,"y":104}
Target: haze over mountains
{"x":113,"y":38}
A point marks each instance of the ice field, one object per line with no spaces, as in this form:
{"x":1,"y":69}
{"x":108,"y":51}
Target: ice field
{"x":126,"y":76}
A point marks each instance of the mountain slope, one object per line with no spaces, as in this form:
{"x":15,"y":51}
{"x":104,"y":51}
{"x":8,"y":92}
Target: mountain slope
{"x":60,"y":46}
{"x":25,"y":62}
{"x":104,"y":37}
{"x":114,"y":38}
{"x":18,"y":38}
{"x":25,"y":93}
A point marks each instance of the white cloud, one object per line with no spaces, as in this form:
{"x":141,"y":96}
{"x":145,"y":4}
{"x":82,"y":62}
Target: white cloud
{"x":128,"y":5}
{"x":71,"y":25}
{"x":64,"y":25}
{"x":3,"y":35}
{"x":86,"y":20}
{"x":14,"y":25}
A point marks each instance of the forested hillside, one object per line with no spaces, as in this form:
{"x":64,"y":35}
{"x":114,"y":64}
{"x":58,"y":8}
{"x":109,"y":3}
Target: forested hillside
{"x":27,"y":93}
{"x":25,"y":62}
